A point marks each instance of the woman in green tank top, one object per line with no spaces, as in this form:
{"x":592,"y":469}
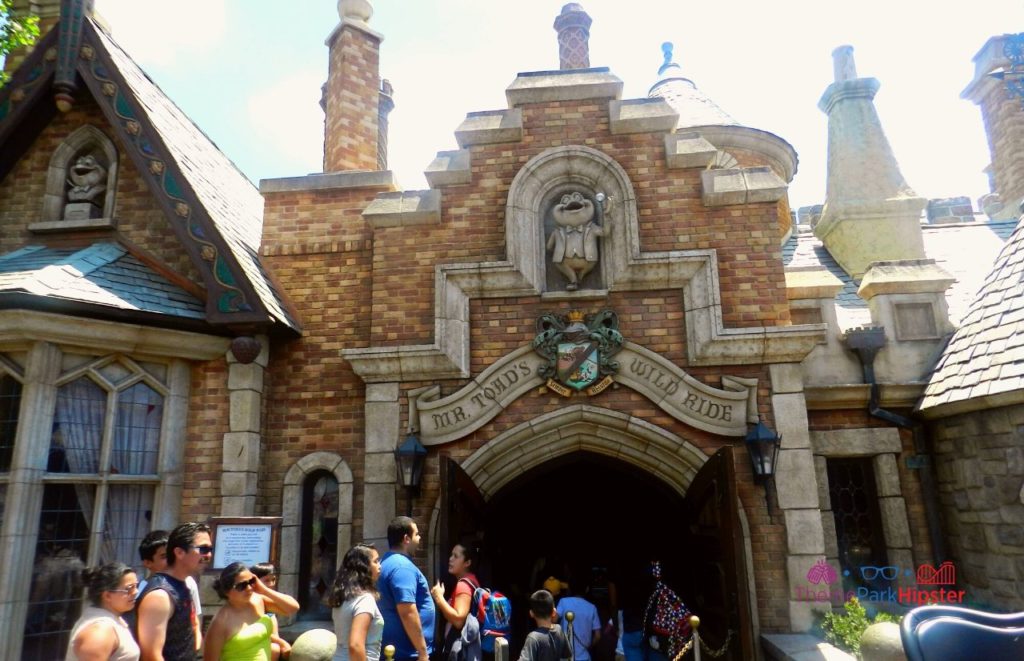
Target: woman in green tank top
{"x":241,"y":629}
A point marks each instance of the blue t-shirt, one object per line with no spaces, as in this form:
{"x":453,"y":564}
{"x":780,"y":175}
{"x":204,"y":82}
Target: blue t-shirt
{"x":401,"y":582}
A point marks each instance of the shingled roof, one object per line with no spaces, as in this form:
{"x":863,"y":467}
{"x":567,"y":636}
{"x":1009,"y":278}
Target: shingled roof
{"x":985,"y":358}
{"x":215,"y":211}
{"x":965,"y":250}
{"x":233,"y":203}
{"x":103,"y":274}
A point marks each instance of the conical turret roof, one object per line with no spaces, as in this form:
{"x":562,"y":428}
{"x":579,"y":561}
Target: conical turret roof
{"x":694,"y":107}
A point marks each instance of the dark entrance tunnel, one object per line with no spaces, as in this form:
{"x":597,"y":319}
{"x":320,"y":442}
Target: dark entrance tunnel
{"x":584,"y":518}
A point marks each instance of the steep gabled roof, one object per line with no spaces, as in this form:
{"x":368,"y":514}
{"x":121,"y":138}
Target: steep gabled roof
{"x":213,"y":208}
{"x":984,"y":361}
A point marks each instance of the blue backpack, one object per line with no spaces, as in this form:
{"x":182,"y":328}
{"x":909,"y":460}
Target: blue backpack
{"x":494,"y":612}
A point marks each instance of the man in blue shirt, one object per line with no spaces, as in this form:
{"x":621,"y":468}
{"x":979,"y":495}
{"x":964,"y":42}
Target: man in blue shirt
{"x":405,"y":600}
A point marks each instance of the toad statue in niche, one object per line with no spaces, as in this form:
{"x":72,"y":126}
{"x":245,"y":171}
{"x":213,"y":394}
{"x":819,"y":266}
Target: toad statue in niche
{"x":573,"y":243}
{"x":87,"y":182}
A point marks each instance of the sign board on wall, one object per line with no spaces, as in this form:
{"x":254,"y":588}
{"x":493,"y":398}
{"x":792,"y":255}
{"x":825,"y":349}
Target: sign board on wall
{"x":246,"y":539}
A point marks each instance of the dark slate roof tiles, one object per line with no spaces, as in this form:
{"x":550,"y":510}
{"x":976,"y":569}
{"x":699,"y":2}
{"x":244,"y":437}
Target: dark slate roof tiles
{"x":102,"y":274}
{"x":230,"y":199}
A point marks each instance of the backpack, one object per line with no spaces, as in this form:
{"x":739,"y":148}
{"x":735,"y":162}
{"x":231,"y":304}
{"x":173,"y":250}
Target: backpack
{"x":666,"y":618}
{"x":494,"y":612}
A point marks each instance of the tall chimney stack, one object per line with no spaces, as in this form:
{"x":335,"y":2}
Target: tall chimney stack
{"x":573,"y":26}
{"x":352,"y":96}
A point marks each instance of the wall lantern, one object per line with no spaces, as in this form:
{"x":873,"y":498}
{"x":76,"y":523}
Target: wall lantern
{"x":763,"y":446}
{"x":409,"y":459}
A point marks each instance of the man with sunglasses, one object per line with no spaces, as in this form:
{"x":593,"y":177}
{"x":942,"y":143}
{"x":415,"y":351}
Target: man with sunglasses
{"x":166,"y":616}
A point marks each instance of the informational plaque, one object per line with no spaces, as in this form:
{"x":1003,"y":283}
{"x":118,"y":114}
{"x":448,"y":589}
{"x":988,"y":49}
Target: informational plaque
{"x":245,"y":539}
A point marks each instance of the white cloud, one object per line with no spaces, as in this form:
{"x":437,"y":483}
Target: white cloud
{"x":159,"y":34}
{"x":285,"y":124}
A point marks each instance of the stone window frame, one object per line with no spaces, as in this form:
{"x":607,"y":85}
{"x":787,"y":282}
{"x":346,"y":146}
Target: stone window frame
{"x":57,"y":175}
{"x":882,"y":445}
{"x":902,"y":333}
{"x":44,"y":347}
{"x":291,"y":512}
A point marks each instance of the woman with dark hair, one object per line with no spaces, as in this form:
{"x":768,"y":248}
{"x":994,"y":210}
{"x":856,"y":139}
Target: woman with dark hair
{"x":461,"y":563}
{"x":241,"y":630}
{"x":101,"y":634}
{"x":357,"y":620}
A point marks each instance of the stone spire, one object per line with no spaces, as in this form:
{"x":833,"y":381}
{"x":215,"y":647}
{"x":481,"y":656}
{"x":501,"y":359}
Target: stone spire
{"x":693,"y":106}
{"x":573,"y":26}
{"x":870,"y":212}
{"x":353,"y":95}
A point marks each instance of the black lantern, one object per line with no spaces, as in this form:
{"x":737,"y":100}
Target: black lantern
{"x":409,"y":459}
{"x":763,"y":446}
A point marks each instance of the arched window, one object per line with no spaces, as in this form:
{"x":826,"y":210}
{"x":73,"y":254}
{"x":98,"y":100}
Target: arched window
{"x":99,"y":488}
{"x":319,"y":544}
{"x":81,"y":181}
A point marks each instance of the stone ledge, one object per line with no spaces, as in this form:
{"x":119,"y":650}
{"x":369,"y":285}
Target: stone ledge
{"x":741,"y":186}
{"x":449,"y":168}
{"x":857,"y":395}
{"x":811,"y":283}
{"x":402,"y":208}
{"x":490,"y":127}
{"x":689,"y":150}
{"x":331,"y":181}
{"x":779,"y":153}
{"x":800,"y":647}
{"x":48,"y":226}
{"x":641,"y":116}
{"x":570,"y":85}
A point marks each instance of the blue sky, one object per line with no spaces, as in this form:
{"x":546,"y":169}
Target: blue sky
{"x":249,"y":72}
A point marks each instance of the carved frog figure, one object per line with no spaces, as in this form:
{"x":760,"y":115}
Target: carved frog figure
{"x":573,"y":244}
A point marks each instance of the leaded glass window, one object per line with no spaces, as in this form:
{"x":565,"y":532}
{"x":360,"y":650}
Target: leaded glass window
{"x":319,"y":544}
{"x":862,"y":553}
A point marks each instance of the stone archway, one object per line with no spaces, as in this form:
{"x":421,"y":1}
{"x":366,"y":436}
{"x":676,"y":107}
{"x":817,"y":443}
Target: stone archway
{"x":661,"y":453}
{"x":291,"y":511}
{"x":583,"y":428}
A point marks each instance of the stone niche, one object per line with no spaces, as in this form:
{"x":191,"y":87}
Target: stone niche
{"x":80,"y":183}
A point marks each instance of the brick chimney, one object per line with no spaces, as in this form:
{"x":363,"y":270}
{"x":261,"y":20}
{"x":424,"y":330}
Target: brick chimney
{"x":870,"y":212}
{"x":996,"y":89}
{"x":352,"y":96}
{"x":573,"y":26}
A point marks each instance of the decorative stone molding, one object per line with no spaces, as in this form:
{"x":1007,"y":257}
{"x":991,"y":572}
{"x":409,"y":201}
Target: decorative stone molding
{"x":780,"y":154}
{"x":741,"y":186}
{"x":330,"y":181}
{"x":725,"y":411}
{"x":490,"y":127}
{"x":641,"y":116}
{"x":623,"y":268}
{"x":689,"y":150}
{"x":26,"y":326}
{"x":449,"y":168}
{"x":585,"y":428}
{"x":569,"y":85}
{"x":86,"y":140}
{"x":291,"y":511}
{"x":404,"y":208}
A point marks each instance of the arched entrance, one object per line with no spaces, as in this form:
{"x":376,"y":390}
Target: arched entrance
{"x":585,"y":488}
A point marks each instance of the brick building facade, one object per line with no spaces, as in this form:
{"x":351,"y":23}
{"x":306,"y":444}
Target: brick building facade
{"x":265,"y":352}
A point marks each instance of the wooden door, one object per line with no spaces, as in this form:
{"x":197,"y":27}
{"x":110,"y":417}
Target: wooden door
{"x":718,"y":575}
{"x":462,"y":513}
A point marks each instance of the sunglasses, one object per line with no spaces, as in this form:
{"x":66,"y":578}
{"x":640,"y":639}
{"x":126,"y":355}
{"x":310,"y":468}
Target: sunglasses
{"x":242,"y":585}
{"x":128,"y":589}
{"x":203,"y":549}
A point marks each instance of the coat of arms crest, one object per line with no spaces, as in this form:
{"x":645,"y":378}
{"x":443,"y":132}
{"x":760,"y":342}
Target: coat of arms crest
{"x":578,"y":349}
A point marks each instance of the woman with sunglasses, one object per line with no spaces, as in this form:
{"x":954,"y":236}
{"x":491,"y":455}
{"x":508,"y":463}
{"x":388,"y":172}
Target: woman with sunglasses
{"x":101,"y":634}
{"x":241,"y":630}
